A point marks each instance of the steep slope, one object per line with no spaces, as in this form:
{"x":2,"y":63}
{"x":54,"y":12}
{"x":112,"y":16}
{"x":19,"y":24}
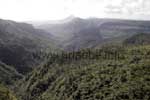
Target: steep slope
{"x":18,"y":42}
{"x":116,"y":75}
{"x":8,"y":75}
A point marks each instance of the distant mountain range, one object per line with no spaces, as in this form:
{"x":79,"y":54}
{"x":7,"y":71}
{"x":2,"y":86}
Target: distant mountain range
{"x":76,"y":33}
{"x":18,"y":41}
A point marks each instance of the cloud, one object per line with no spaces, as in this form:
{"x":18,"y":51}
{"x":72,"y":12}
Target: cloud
{"x":129,"y":7}
{"x":59,"y":9}
{"x":113,"y":9}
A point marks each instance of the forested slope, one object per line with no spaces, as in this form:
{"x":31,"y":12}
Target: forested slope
{"x":8,"y":75}
{"x":138,"y":39}
{"x":118,"y":73}
{"x":5,"y":94}
{"x":18,"y":42}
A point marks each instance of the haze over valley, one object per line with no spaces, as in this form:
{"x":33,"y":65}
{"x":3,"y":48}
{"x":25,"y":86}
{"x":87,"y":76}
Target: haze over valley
{"x":74,"y":50}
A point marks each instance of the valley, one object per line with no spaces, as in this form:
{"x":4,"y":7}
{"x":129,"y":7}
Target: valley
{"x":75,"y":59}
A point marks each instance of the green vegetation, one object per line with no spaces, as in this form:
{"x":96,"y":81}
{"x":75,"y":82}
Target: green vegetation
{"x":8,"y":75}
{"x":5,"y":94}
{"x":139,"y":39}
{"x":18,"y":42}
{"x":126,"y":78}
{"x":34,"y":69}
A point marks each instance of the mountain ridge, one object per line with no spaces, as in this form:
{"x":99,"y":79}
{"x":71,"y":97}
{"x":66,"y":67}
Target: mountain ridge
{"x":18,"y":42}
{"x":109,"y":29}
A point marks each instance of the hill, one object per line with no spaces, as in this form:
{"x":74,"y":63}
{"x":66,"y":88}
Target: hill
{"x":110,"y":72}
{"x":18,"y":42}
{"x":109,"y":29}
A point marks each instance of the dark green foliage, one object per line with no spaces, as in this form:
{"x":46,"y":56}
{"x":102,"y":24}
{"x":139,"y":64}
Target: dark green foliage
{"x":139,"y":39}
{"x":5,"y":94}
{"x":110,"y":73}
{"x":8,"y":75}
{"x":126,"y":78}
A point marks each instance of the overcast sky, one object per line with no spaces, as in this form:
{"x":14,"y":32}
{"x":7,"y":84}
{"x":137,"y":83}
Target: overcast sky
{"x":25,"y":10}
